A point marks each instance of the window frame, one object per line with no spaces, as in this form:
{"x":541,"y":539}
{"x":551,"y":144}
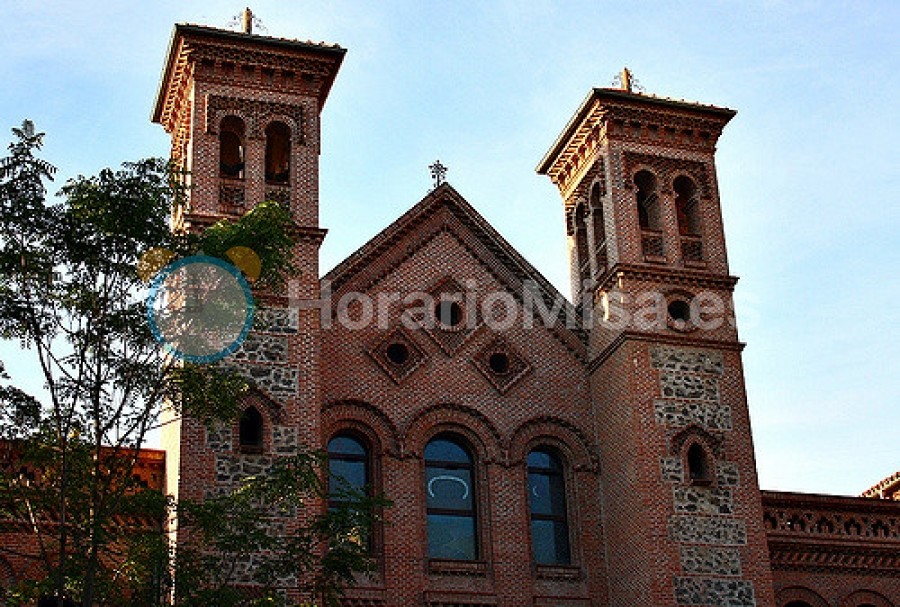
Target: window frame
{"x":562,"y":473}
{"x":474,"y":512}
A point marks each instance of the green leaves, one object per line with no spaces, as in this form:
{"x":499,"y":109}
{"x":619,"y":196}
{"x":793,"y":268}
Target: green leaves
{"x":266,"y":229}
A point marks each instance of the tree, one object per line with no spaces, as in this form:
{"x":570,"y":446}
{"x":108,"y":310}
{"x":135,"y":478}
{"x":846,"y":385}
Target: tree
{"x":71,"y":293}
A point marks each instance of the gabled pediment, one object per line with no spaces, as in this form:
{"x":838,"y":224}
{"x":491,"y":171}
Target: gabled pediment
{"x":445,"y":211}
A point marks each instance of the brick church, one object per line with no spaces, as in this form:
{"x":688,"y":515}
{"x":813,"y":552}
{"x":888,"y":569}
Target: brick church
{"x":543,"y":451}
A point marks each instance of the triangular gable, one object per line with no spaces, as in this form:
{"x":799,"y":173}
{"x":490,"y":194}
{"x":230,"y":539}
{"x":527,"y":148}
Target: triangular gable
{"x":444,"y":209}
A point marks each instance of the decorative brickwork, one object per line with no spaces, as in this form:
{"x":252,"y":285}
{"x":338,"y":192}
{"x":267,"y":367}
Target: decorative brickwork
{"x":650,"y":425}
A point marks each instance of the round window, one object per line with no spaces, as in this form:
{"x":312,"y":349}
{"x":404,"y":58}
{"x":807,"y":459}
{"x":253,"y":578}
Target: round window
{"x":499,"y":363}
{"x":397,"y":353}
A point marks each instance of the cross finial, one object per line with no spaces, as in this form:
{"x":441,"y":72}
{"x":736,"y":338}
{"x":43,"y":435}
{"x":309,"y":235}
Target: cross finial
{"x":438,"y":173}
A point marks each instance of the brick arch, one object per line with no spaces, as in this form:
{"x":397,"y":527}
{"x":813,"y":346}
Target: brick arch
{"x":682,"y":441}
{"x":289,"y":121}
{"x":678,"y":171}
{"x":272,"y":410}
{"x":865,"y":597}
{"x":468,"y":423}
{"x":218,"y":114}
{"x":799,"y":593}
{"x":365,"y":419}
{"x":571,"y":442}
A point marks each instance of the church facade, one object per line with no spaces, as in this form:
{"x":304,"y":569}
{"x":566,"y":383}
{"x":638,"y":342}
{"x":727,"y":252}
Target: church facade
{"x":537,"y":451}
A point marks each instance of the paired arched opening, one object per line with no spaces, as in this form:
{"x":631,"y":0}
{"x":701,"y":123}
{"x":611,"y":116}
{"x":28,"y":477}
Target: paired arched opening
{"x":231,"y":148}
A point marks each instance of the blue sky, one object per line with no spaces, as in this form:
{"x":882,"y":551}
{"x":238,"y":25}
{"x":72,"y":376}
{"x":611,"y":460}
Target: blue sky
{"x":809,"y":171}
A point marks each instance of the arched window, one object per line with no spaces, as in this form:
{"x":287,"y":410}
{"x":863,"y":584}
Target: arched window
{"x":581,"y":240}
{"x":348,"y":474}
{"x":698,"y":464}
{"x":278,"y":153}
{"x":547,"y":494}
{"x":647,"y":200}
{"x":251,"y":430}
{"x":686,"y":206}
{"x":348,"y":467}
{"x":231,"y":147}
{"x":450,"y":500}
{"x":599,"y":227}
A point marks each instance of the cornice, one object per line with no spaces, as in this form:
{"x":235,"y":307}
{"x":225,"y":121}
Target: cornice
{"x":672,"y":340}
{"x":674,"y":276}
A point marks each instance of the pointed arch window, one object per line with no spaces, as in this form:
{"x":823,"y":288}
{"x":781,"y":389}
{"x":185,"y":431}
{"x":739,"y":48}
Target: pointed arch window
{"x":250,"y":430}
{"x":450,"y":500}
{"x":278,"y":153}
{"x":231,"y":148}
{"x":547,"y":497}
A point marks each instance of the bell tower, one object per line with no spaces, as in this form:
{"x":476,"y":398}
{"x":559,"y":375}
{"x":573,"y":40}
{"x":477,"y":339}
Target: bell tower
{"x":243,"y":113}
{"x":681,"y":506}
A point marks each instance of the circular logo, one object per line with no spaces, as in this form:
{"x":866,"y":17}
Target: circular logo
{"x":200,"y":308}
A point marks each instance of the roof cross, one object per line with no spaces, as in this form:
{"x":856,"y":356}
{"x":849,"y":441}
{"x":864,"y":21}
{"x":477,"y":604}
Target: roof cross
{"x":438,"y":173}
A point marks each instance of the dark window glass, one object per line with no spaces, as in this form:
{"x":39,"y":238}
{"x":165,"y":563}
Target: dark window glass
{"x":348,"y":470}
{"x":251,"y":428}
{"x":547,"y":497}
{"x":347,"y":466}
{"x":450,"y":501}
